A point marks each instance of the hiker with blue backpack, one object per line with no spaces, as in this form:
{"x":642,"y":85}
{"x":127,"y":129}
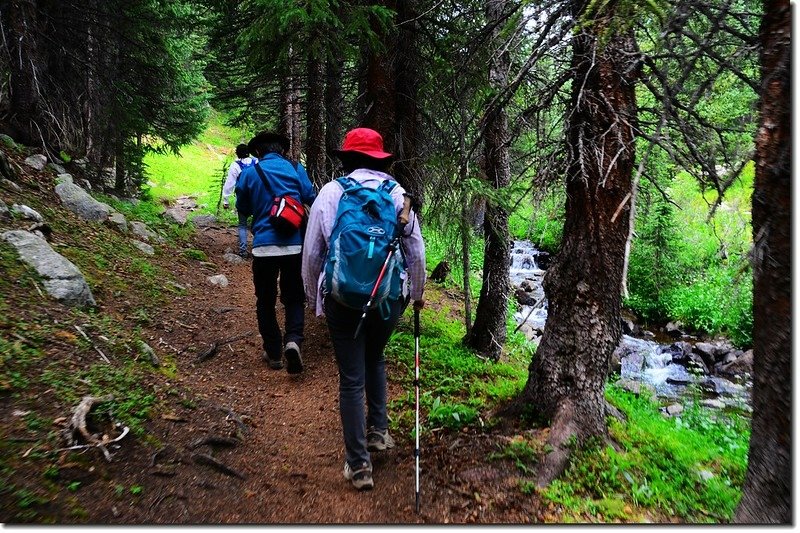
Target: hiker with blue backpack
{"x":243,"y":160}
{"x":363,"y":260}
{"x":274,"y":191}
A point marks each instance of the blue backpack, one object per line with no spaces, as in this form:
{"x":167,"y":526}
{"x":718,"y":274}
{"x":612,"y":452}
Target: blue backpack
{"x":243,"y":165}
{"x":366,"y":223}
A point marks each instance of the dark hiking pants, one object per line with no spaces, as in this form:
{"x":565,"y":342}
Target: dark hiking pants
{"x":362,"y":370}
{"x":266,"y":274}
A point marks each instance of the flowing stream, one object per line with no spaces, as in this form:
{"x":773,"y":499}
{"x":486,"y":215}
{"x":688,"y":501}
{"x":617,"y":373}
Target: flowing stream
{"x":642,"y":360}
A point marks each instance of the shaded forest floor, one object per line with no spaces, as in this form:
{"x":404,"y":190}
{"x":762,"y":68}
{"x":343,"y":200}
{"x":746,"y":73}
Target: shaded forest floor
{"x":285,"y":464}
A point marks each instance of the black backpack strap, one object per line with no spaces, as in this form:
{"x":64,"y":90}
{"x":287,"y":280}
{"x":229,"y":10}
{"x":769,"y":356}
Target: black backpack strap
{"x":263,"y":178}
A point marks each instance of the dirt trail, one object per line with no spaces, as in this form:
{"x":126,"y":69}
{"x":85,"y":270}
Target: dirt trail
{"x":292,"y":453}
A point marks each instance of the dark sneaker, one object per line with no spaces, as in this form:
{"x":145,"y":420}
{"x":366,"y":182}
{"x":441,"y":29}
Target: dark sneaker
{"x":379,"y":440}
{"x":244,"y":254}
{"x":274,"y":364}
{"x":294,"y":363}
{"x":360,"y":477}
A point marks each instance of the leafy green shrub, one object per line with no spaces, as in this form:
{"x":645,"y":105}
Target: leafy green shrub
{"x":450,"y":415}
{"x":692,"y":466}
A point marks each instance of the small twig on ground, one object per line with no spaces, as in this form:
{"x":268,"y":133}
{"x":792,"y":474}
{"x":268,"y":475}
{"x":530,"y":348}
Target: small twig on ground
{"x":212,"y":351}
{"x":235,"y":417}
{"x":93,"y":344}
{"x":187,"y":326}
{"x":205,"y":459}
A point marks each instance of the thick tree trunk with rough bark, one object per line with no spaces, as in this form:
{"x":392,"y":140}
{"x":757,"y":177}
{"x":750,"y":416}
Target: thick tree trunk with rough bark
{"x":315,"y":123}
{"x":488,"y":334}
{"x":406,"y":127}
{"x":568,"y":373}
{"x":390,"y":96}
{"x":767,"y":496}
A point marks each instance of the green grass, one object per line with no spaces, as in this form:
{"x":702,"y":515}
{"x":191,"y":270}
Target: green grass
{"x":457,"y":385}
{"x":661,"y":467}
{"x":198,"y":170}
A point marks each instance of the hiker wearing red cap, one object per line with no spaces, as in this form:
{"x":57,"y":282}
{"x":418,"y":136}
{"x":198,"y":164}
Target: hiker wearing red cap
{"x":360,"y":333}
{"x":277,"y":247}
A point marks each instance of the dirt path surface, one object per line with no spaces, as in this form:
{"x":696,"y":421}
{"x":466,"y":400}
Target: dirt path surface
{"x":290,"y":455}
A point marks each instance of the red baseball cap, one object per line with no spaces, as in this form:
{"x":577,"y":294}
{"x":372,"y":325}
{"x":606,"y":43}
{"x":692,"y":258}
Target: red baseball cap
{"x":364,"y":141}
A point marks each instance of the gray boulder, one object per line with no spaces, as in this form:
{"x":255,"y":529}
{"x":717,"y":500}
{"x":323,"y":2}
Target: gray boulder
{"x":204,"y":221}
{"x":37,"y":161}
{"x":144,"y":247}
{"x":636,"y":387}
{"x":62,"y":279}
{"x":81,"y":203}
{"x":64,"y":177}
{"x":219,"y":280}
{"x":58,"y":169}
{"x":10,"y":185}
{"x":141,"y":230}
{"x":176,"y":215}
{"x":27,"y":212}
{"x":233,"y":258}
{"x":739,"y":366}
{"x":118,"y":220}
{"x":4,"y":212}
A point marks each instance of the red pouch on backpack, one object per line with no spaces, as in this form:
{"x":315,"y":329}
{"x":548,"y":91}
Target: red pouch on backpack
{"x":287,"y":214}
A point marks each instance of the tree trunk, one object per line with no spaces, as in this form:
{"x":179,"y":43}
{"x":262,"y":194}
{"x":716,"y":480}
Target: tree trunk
{"x":315,"y":123}
{"x":290,"y":109}
{"x":26,"y":70}
{"x":333,"y":110}
{"x":406,"y":81}
{"x":488,"y":334}
{"x":568,"y":372}
{"x":767,"y":496}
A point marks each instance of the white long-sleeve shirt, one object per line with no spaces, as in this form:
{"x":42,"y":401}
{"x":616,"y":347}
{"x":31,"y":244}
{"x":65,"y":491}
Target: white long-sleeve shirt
{"x":233,"y":174}
{"x":320,"y":225}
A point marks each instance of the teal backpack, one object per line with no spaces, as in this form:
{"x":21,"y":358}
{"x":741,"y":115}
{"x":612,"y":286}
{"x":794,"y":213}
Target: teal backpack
{"x":361,"y":240}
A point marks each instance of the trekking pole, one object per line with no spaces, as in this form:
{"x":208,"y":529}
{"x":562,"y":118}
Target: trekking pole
{"x":402,"y":221}
{"x":416,"y":388}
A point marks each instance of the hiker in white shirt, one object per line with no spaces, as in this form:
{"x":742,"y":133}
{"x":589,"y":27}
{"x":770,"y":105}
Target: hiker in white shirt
{"x":243,"y":160}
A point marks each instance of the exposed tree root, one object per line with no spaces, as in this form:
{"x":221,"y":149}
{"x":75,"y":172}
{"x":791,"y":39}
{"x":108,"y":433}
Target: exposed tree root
{"x":214,"y":440}
{"x":214,"y":348}
{"x":562,"y":428}
{"x":78,"y":425}
{"x":205,"y":459}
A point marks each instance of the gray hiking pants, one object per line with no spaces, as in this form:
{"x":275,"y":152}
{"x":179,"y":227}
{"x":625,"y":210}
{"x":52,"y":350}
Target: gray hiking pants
{"x":362,"y":370}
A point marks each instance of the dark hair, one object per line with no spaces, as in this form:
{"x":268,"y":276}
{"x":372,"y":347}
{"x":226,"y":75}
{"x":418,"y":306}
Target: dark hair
{"x":262,"y":149}
{"x":351,"y":161}
{"x":242,"y":151}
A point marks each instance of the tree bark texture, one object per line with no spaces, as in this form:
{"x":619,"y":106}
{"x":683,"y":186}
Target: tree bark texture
{"x":488,"y":334}
{"x":26,"y":70}
{"x":767,"y":493}
{"x":315,"y":123}
{"x":392,"y":82}
{"x":568,"y":373}
{"x":334,"y":104}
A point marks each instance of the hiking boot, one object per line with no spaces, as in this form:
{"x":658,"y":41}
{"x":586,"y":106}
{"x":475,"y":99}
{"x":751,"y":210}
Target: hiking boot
{"x":274,"y":364}
{"x":244,"y":254}
{"x":360,"y":477}
{"x":379,"y":440}
{"x":294,"y":363}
